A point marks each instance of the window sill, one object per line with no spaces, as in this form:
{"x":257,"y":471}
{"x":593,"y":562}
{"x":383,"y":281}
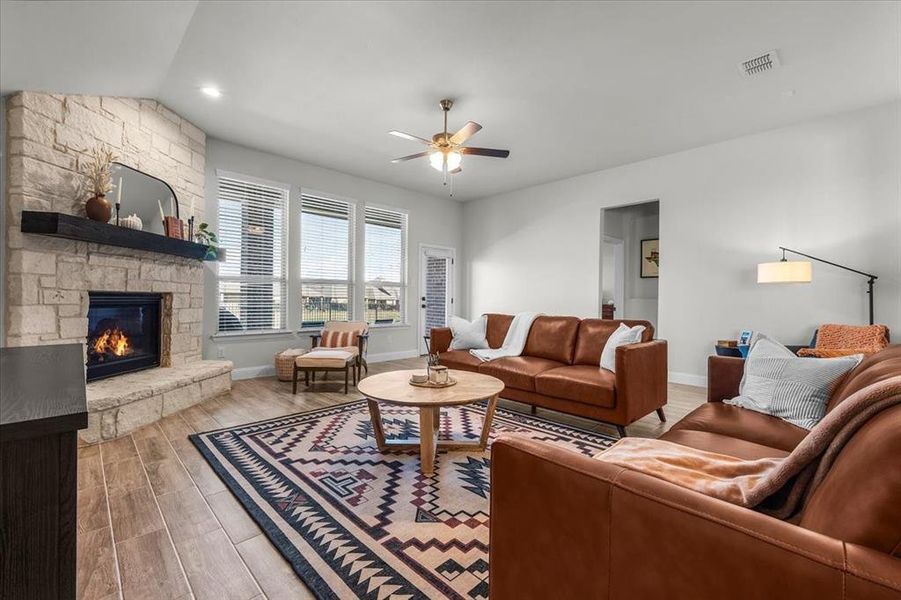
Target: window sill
{"x":242,"y":335}
{"x":390,"y":326}
{"x":371,"y":328}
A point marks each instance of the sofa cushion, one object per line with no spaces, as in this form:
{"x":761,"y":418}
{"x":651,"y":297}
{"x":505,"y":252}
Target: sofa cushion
{"x":580,"y":383}
{"x":743,"y":424}
{"x":857,"y":501}
{"x":722,"y":444}
{"x":459,"y":359}
{"x":553,"y":338}
{"x":496,"y":330}
{"x":872,"y":369}
{"x":593,"y":334}
{"x":518,"y":371}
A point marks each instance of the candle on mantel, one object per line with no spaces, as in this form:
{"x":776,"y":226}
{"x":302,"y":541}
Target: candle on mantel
{"x":119,"y":198}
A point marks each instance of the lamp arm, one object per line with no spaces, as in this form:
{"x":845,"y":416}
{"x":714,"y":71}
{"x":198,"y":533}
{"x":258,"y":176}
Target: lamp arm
{"x":828,"y":262}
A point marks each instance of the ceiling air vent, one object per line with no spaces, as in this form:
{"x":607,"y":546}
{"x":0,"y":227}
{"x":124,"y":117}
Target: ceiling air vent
{"x":759,"y":64}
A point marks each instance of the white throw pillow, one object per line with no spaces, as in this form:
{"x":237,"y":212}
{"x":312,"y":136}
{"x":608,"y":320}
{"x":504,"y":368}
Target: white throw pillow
{"x":468,"y":335}
{"x":795,"y":389}
{"x":622,"y":336}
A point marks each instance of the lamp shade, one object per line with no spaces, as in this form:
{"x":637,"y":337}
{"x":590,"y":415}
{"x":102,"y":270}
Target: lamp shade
{"x":785,"y":271}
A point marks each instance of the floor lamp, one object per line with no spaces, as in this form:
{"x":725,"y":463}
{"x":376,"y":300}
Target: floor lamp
{"x":801,"y":271}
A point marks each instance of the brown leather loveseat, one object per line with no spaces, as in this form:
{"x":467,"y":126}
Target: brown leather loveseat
{"x":560,"y":368}
{"x":564,"y":525}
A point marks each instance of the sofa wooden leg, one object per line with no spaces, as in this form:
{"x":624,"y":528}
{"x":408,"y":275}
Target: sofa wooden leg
{"x":621,"y":430}
{"x":294,"y":387}
{"x":346,"y":376}
{"x":661,"y":414}
{"x":534,"y":410}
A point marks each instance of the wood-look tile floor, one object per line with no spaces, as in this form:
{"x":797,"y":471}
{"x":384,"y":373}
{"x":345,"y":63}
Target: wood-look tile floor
{"x":155,"y":521}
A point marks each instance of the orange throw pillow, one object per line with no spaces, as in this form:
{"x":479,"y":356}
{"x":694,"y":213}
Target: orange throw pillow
{"x":340,"y":339}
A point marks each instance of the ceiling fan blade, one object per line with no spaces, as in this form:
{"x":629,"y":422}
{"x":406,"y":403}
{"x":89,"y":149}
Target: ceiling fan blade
{"x":410,"y":157}
{"x":456,"y":171}
{"x":409,"y":136}
{"x":486,"y":152}
{"x":467,"y":131}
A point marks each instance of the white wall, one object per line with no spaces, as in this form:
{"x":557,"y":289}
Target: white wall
{"x":829,"y":187}
{"x":432,"y":219}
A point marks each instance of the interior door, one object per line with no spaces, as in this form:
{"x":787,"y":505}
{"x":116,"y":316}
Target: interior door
{"x":436,"y":290}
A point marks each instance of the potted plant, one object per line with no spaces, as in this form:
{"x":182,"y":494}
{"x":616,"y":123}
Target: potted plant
{"x":99,"y":180}
{"x":208,"y":238}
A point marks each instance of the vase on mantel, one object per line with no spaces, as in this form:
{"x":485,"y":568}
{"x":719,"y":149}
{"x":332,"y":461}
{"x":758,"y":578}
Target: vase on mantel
{"x":97,"y":208}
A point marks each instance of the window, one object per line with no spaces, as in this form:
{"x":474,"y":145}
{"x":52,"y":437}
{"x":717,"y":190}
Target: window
{"x":252,"y":279}
{"x":326,"y":260}
{"x":385,"y":259}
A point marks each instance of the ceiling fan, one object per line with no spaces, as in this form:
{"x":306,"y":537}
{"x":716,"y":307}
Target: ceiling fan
{"x":446,"y":150}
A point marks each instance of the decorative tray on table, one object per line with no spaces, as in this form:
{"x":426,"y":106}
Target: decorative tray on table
{"x":428,"y":384}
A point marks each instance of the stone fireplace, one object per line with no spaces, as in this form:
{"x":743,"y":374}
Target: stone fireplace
{"x":53,"y":284}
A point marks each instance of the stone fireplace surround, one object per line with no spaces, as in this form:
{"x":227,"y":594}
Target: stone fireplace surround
{"x":48,"y":279}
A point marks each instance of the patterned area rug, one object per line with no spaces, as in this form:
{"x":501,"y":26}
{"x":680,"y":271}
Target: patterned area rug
{"x":356,"y":523}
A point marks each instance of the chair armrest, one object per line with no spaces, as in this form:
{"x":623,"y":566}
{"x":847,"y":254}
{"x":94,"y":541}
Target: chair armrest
{"x":564,"y":525}
{"x":724,"y":375}
{"x":362,"y":342}
{"x":641,"y":374}
{"x":440,"y":339}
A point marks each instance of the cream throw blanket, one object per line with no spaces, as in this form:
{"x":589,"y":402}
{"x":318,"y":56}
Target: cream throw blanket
{"x":785,"y":482}
{"x":514,"y":341}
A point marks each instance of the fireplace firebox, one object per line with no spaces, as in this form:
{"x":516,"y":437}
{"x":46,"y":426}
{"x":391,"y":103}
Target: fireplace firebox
{"x":123,"y":333}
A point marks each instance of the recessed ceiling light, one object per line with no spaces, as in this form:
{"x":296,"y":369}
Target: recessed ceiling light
{"x":211,"y":91}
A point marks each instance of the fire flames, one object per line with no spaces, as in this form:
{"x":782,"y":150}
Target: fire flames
{"x":112,"y":341}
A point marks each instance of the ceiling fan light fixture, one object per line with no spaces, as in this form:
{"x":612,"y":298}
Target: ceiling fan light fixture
{"x":440,"y":158}
{"x":454,"y":159}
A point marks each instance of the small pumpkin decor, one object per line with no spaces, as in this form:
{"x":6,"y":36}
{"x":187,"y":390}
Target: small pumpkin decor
{"x":97,"y":173}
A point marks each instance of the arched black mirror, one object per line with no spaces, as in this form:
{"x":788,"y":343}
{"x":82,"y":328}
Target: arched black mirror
{"x":147,"y":197}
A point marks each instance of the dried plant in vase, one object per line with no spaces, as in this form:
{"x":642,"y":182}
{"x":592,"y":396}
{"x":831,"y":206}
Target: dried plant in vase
{"x":99,"y":180}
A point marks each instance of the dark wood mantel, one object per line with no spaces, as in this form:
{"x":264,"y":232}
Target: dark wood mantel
{"x":85,"y":230}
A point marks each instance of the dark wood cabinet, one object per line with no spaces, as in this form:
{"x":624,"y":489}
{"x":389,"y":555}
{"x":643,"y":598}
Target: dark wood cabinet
{"x":42,"y":406}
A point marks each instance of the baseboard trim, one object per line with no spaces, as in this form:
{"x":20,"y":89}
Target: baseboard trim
{"x":253,"y":372}
{"x":688,"y":379}
{"x":386,"y":356}
{"x":269,"y":370}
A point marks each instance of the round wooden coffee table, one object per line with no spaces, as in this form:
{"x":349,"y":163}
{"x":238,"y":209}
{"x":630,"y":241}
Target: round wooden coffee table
{"x":394,"y":388}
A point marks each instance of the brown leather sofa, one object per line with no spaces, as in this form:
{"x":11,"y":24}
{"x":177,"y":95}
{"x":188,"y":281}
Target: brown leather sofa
{"x":560,"y":368}
{"x":565,"y":525}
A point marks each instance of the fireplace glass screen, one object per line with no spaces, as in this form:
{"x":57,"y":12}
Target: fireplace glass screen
{"x":123,"y":333}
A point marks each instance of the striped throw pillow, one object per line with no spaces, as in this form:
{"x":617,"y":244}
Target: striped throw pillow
{"x":340,"y":339}
{"x":795,"y":389}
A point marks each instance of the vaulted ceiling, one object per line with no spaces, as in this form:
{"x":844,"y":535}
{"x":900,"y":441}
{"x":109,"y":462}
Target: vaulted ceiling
{"x":568,"y":87}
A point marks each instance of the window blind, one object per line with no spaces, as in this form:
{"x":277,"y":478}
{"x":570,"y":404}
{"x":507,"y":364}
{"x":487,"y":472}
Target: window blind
{"x":385,"y":256}
{"x":252,"y":281}
{"x":326,"y":260}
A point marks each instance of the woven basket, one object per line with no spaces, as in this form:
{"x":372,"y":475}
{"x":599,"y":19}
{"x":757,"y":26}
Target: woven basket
{"x":284,"y":363}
